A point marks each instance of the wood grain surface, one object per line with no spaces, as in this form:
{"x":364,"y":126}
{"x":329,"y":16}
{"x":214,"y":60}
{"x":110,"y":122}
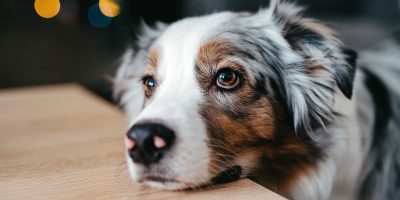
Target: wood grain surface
{"x":62,"y":142}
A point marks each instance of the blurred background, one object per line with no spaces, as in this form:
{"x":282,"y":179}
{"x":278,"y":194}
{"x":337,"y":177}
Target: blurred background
{"x":58,"y":41}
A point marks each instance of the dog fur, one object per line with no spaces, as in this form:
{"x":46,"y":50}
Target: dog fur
{"x":304,"y":120}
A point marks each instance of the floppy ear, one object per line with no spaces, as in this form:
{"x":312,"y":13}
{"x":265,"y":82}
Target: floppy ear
{"x":128,"y":90}
{"x":327,"y":65}
{"x":317,"y":42}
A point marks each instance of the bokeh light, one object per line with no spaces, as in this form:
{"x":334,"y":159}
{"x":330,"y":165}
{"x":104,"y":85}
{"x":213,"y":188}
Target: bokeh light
{"x":96,"y":17}
{"x":47,"y":8}
{"x":109,"y":8}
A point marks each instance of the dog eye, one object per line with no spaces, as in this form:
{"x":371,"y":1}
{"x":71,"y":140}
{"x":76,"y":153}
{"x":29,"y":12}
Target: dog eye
{"x":149,"y":85}
{"x":227,"y":79}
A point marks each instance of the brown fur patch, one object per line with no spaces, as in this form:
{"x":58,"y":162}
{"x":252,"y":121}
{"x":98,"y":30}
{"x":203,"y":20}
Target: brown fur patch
{"x":154,"y":56}
{"x":247,"y":123}
{"x":152,"y":62}
{"x":214,"y":52}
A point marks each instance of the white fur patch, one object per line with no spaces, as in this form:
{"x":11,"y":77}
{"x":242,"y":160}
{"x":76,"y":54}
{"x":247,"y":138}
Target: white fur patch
{"x":175,"y":102}
{"x":317,"y":184}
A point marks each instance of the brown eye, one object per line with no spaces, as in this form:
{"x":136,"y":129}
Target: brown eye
{"x":149,"y":85}
{"x":227,"y":79}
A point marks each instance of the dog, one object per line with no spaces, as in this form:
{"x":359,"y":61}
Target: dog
{"x":272,"y":95}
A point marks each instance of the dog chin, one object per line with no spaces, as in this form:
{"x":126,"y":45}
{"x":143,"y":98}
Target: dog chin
{"x":171,"y":185}
{"x":231,"y":174}
{"x":165,"y":182}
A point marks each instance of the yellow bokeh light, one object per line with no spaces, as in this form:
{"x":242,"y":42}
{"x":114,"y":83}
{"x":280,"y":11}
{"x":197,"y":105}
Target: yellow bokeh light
{"x":109,"y":8}
{"x":47,"y":8}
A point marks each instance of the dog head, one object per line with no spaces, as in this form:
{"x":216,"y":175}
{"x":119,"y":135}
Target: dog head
{"x":229,"y":95}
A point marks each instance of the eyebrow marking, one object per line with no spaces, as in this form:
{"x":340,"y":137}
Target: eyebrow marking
{"x":213,"y":52}
{"x":153,"y":58}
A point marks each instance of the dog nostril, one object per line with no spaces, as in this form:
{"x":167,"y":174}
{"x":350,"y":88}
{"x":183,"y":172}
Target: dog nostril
{"x":159,"y":143}
{"x":130,"y":144}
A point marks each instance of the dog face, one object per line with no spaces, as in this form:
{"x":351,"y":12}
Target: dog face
{"x":229,"y":95}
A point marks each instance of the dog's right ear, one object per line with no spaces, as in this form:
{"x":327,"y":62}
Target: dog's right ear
{"x":146,"y":34}
{"x":127,"y":90}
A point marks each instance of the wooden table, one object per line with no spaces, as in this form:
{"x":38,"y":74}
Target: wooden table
{"x":62,"y":142}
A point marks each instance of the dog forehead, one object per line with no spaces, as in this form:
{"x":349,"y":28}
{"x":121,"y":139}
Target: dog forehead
{"x":181,"y":41}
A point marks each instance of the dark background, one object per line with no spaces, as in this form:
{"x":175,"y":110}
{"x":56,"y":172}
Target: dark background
{"x":38,"y":51}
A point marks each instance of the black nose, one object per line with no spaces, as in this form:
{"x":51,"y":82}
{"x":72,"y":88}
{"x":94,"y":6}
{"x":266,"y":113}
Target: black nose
{"x":149,"y":142}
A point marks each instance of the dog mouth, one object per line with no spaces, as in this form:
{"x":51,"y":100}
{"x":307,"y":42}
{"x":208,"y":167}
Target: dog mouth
{"x":229,"y":175}
{"x":159,"y":179}
{"x":164,"y":183}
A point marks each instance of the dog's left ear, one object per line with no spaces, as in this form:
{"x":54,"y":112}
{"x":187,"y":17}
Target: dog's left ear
{"x":317,"y":43}
{"x":325,"y":64}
